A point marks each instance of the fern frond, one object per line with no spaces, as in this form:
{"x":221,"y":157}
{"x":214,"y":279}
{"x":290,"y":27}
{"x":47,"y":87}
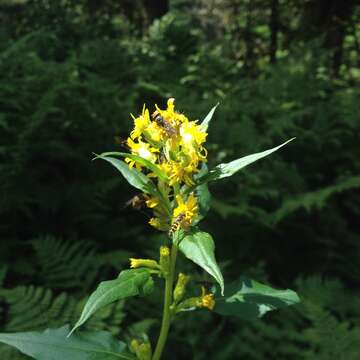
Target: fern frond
{"x":65,"y":264}
{"x":315,"y":199}
{"x":330,"y":338}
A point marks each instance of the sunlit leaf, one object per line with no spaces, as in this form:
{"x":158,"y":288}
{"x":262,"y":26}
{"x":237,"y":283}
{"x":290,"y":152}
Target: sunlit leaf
{"x":228,"y":169}
{"x":129,"y":283}
{"x":205,"y":123}
{"x":200,"y":248}
{"x":249,"y":299}
{"x":203,"y":195}
{"x":148,"y":164}
{"x":133,"y":176}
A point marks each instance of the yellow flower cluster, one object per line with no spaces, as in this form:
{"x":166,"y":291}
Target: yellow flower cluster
{"x":174,"y":144}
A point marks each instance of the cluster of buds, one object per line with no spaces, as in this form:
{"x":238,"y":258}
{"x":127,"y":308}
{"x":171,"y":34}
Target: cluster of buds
{"x":142,"y":350}
{"x":205,"y":300}
{"x":174,"y":144}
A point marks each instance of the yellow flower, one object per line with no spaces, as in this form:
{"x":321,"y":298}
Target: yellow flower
{"x":148,"y":263}
{"x":191,"y":133}
{"x":174,"y":144}
{"x":188,"y":209}
{"x":178,"y":173}
{"x":208,"y":301}
{"x":141,"y":123}
{"x":154,"y":132}
{"x":159,"y":224}
{"x":171,"y":104}
{"x":152,"y":202}
{"x":142,"y":149}
{"x":205,"y":300}
{"x":192,"y":138}
{"x":170,"y":115}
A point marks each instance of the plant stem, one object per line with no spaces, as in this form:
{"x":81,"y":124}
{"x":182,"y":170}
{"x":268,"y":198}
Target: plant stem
{"x":165,"y":325}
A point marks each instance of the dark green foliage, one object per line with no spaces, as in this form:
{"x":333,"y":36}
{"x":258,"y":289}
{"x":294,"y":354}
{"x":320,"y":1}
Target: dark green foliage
{"x":70,"y":76}
{"x":54,"y":344}
{"x":65,"y":264}
{"x":61,"y":265}
{"x":30,"y":308}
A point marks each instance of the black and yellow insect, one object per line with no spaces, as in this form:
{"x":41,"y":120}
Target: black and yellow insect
{"x":176,"y":224}
{"x":164,"y":124}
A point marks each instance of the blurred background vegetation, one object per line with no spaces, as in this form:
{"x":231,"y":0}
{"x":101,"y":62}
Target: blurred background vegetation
{"x":72,"y":71}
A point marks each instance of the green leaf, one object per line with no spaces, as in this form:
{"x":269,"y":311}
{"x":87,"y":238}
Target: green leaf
{"x":148,"y":164}
{"x":178,"y":236}
{"x":205,"y":123}
{"x":249,"y":299}
{"x":129,"y":283}
{"x":55,"y":345}
{"x":199,"y":247}
{"x":224,"y":170}
{"x":133,"y":176}
{"x":204,"y":200}
{"x":203,"y":196}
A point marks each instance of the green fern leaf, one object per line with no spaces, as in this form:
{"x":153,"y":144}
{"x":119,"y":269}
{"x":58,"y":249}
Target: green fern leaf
{"x":65,"y":264}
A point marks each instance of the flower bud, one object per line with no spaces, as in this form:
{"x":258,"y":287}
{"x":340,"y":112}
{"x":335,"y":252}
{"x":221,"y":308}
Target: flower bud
{"x":142,"y":350}
{"x":165,"y":260}
{"x":148,"y":263}
{"x":180,"y":287}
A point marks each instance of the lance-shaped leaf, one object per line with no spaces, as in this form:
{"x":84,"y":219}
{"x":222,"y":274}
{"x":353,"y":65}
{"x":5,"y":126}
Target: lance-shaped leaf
{"x":203,"y":195}
{"x":133,"y":176}
{"x":205,"y":123}
{"x":204,"y":199}
{"x":249,"y":299}
{"x":224,"y":170}
{"x":129,"y":283}
{"x":200,"y":248}
{"x":55,"y":345}
{"x":148,"y":164}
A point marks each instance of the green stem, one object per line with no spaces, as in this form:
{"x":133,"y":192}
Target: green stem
{"x":166,"y":320}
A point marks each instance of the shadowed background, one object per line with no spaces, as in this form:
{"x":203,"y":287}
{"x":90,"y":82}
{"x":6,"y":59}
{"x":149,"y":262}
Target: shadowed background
{"x":70,"y":75}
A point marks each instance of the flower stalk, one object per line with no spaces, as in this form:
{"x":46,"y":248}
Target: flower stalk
{"x":167,"y":313}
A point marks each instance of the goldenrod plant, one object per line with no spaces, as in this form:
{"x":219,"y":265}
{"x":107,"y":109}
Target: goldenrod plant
{"x":167,"y":162}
